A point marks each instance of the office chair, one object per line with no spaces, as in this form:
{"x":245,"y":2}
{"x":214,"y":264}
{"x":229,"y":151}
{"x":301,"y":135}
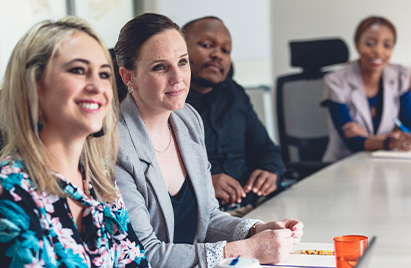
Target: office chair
{"x":302,"y":122}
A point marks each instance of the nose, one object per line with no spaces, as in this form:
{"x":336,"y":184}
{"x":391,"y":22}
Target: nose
{"x":93,"y":83}
{"x":216,"y":53}
{"x":176,"y":75}
{"x":379,"y":49}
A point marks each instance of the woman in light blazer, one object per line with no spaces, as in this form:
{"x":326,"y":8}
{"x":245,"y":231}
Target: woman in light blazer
{"x":365,"y":96}
{"x":162,"y":166}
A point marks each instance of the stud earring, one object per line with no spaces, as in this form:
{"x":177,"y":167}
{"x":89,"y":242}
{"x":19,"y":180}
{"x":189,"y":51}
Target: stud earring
{"x":130,"y":89}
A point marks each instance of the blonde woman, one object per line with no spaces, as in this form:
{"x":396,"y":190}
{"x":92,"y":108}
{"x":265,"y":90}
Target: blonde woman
{"x":59,"y":205}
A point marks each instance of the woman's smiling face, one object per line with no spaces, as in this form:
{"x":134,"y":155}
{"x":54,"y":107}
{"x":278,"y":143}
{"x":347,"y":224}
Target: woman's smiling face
{"x":375,"y":47}
{"x":75,"y":91}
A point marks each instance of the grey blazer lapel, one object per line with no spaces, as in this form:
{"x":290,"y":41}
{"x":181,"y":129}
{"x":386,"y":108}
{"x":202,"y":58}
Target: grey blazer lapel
{"x":192,"y":160}
{"x":359,"y":98}
{"x":143,"y":147}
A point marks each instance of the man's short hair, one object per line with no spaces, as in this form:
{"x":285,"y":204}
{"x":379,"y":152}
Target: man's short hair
{"x":188,"y":26}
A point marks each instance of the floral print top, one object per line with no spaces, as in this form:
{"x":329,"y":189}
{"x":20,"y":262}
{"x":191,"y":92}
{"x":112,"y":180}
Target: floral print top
{"x":38,"y":230}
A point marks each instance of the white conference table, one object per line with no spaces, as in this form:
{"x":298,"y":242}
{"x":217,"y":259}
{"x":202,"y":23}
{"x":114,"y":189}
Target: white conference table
{"x":357,"y":195}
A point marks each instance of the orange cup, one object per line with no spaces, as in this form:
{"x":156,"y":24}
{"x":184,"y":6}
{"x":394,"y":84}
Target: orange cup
{"x":348,"y":249}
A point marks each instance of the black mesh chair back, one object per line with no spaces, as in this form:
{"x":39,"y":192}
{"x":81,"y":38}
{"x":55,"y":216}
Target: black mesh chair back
{"x":302,"y":122}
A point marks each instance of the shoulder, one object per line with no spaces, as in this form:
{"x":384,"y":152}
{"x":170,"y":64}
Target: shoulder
{"x":188,"y":123}
{"x":397,"y":68}
{"x":12,"y":174}
{"x":339,"y":84}
{"x":397,"y":77}
{"x":234,"y":86}
{"x":235,"y":93}
{"x":397,"y":71}
{"x":189,"y":116}
{"x":343,"y":74}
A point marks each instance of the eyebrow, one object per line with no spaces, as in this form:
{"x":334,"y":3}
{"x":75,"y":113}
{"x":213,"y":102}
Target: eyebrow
{"x":86,"y":62}
{"x":162,"y":60}
{"x":210,"y":35}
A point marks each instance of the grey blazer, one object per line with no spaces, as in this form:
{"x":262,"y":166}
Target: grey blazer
{"x":147,"y":199}
{"x":346,"y":86}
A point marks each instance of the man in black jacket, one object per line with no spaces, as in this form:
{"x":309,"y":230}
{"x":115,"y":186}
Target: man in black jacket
{"x":245,"y":163}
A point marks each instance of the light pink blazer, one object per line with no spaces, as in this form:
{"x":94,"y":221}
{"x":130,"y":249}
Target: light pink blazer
{"x":345,"y":86}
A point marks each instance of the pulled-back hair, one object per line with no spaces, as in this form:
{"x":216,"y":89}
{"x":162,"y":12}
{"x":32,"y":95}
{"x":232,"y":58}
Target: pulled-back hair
{"x":19,"y":110}
{"x":370,"y":21}
{"x":133,"y":36}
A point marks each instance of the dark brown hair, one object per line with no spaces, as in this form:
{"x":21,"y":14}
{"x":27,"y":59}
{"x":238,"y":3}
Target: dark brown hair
{"x":370,"y":21}
{"x":131,"y":39}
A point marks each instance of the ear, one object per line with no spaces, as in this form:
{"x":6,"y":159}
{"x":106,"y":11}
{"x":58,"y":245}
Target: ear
{"x":126,"y":76}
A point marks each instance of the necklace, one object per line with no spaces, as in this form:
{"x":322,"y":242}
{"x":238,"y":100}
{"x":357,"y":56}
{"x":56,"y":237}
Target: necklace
{"x":169,"y":143}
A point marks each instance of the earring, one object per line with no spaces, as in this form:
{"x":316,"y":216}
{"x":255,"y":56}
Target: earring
{"x":130,"y":89}
{"x":39,"y":126}
{"x":98,"y":134}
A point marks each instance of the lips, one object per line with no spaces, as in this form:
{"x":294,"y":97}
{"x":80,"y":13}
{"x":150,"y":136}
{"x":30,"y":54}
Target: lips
{"x":214,"y":65}
{"x":377,"y":61}
{"x":91,"y":106}
{"x":175,"y":92}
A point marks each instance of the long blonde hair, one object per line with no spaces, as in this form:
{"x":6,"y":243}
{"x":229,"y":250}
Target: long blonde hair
{"x":19,"y":111}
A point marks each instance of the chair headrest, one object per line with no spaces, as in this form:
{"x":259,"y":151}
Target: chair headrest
{"x":314,"y":54}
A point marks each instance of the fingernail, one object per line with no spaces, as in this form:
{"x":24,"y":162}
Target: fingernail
{"x":259,"y":193}
{"x":255,"y":190}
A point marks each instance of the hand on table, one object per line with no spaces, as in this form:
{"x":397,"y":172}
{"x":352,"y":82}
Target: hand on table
{"x":401,"y":141}
{"x":272,"y":242}
{"x":261,"y":182}
{"x":271,"y":246}
{"x":295,"y":226}
{"x":227,"y":188}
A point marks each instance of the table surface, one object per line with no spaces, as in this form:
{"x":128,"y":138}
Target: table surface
{"x":357,"y":195}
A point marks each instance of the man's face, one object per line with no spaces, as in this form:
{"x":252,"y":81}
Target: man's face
{"x":209,"y":47}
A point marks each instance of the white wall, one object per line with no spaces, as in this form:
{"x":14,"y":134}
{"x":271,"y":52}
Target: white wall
{"x":311,"y":19}
{"x":17,"y":16}
{"x":249,"y":25}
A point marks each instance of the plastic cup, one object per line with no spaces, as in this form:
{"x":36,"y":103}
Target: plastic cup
{"x":242,"y":263}
{"x":348,"y":249}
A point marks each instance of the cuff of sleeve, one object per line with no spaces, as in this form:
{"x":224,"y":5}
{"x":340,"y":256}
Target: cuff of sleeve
{"x":241,"y":230}
{"x":215,"y":253}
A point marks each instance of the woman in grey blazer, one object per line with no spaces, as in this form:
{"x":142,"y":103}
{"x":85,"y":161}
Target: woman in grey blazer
{"x":365,"y":96}
{"x":162,"y":167}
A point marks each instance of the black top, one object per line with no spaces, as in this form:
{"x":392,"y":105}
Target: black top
{"x":237,"y":142}
{"x":185,"y":213}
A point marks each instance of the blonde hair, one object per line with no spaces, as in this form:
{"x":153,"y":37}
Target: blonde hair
{"x":19,"y":111}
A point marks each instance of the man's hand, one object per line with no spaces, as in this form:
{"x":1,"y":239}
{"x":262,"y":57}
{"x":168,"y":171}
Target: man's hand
{"x":261,"y":182}
{"x":227,"y":188}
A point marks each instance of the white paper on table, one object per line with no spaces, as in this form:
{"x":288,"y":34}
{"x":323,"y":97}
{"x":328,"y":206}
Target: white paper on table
{"x":313,"y":261}
{"x":391,"y":154}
